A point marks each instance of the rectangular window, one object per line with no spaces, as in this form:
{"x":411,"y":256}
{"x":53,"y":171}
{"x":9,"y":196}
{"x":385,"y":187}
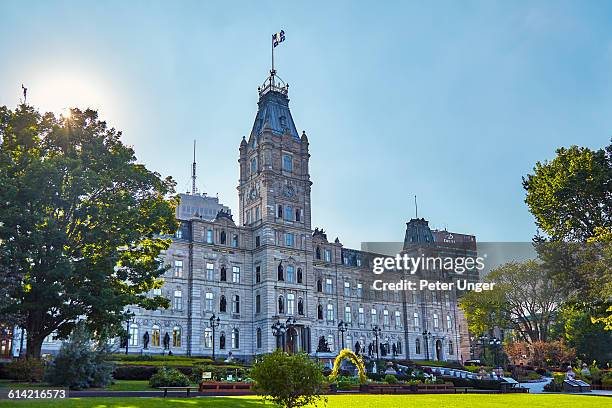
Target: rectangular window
{"x":347,"y":289}
{"x":436,"y":321}
{"x":328,"y":285}
{"x":345,"y":260}
{"x":290,"y":273}
{"x":416,"y":319}
{"x":449,"y":322}
{"x":133,"y":335}
{"x":287,"y":162}
{"x":235,"y":241}
{"x":398,"y":319}
{"x":236,"y":274}
{"x":327,"y":255}
{"x":178,"y":269}
{"x":374,"y":316}
{"x":157,"y":292}
{"x":178,"y":300}
{"x":361,"y":316}
{"x":257,"y":214}
{"x":358,"y":261}
{"x":257,"y":241}
{"x":386,"y":317}
{"x":288,"y":213}
{"x":347,"y":314}
{"x":210,"y":271}
{"x":279,"y":212}
{"x":258,"y":303}
{"x":290,"y":303}
{"x":298,"y":215}
{"x":330,"y":312}
{"x":209,"y":236}
{"x":359,"y":289}
{"x":289,"y":239}
{"x":236,"y":304}
{"x":257,"y":274}
{"x":208,"y":304}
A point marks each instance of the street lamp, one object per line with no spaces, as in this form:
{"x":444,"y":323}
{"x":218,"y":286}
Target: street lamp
{"x":426,"y":335}
{"x":376,"y":330}
{"x":484,"y":339}
{"x":495,"y":344}
{"x":214,"y":323}
{"x":342,"y":327}
{"x":289,"y":325}
{"x":129,"y":318}
{"x":278,"y":331}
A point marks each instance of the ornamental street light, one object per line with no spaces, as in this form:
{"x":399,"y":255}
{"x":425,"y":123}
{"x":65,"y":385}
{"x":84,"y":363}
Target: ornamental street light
{"x":495,"y":344}
{"x":342,"y":327}
{"x":214,"y":323}
{"x":290,"y":329}
{"x":376,"y":330}
{"x":129,"y":318}
{"x":278,"y":331}
{"x":426,"y":336}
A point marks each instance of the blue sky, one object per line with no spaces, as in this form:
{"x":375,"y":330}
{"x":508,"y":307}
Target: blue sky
{"x":451,"y":101}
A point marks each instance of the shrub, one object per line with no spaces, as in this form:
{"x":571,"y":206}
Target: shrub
{"x":168,"y":377}
{"x":78,"y":365}
{"x":289,"y":380}
{"x":390,"y":379}
{"x":25,"y":369}
{"x":132,"y":372}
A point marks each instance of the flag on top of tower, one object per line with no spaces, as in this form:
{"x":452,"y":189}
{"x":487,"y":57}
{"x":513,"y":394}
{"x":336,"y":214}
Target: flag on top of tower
{"x":278,"y":38}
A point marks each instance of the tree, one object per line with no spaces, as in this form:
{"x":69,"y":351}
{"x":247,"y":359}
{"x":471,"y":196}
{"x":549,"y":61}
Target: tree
{"x":522,"y":299}
{"x":289,"y":380}
{"x":571,"y":196}
{"x":82,"y":224}
{"x":81,"y":364}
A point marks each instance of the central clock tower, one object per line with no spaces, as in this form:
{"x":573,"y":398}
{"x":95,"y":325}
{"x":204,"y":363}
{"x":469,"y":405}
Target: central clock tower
{"x":274,"y":186}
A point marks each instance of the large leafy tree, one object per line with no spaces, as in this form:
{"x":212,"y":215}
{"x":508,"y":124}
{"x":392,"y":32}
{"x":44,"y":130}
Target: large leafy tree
{"x":523,"y":299}
{"x":571,"y":199}
{"x":82,"y":224}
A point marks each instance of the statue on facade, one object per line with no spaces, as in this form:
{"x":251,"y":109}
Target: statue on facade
{"x":145,"y":340}
{"x":357,"y":348}
{"x":166,"y":341}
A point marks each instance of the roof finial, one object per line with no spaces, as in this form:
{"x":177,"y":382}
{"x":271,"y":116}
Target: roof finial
{"x":193,"y":170}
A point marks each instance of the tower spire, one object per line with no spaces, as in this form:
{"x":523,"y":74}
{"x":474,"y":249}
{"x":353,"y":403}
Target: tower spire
{"x":193,"y":170}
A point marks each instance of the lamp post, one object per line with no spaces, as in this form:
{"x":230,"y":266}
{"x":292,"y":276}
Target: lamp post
{"x":342,"y":327}
{"x":376,"y":330}
{"x":484,"y":339}
{"x":129,"y":318}
{"x":278,"y":331}
{"x":426,"y":335}
{"x":289,"y":327}
{"x":214,"y":323}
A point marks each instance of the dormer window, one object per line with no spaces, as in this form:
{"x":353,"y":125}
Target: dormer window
{"x":253,"y":165}
{"x":283,"y":122}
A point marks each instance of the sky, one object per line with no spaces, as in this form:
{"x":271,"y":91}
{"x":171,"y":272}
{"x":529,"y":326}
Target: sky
{"x":451,"y":101}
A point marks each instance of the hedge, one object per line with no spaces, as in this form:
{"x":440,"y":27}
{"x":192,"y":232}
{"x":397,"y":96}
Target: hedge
{"x":143,"y":372}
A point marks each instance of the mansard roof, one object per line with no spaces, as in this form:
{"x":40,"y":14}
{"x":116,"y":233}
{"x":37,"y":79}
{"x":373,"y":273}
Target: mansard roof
{"x":273,"y":113}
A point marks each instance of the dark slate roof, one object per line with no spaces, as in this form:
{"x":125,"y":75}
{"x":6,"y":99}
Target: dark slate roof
{"x":273,"y":112}
{"x":418,"y":232}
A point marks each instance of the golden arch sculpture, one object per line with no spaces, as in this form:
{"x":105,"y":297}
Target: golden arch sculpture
{"x":355,"y":359}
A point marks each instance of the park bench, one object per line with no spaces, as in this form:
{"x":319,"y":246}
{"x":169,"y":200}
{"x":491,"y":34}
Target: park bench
{"x":188,"y":389}
{"x":210,"y":387}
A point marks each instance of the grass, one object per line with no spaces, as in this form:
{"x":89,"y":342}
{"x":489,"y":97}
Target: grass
{"x":336,"y":401}
{"x":119,"y":385}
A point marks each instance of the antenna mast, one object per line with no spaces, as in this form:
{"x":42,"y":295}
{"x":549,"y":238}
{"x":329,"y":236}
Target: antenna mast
{"x":193,"y":170}
{"x":416,"y":207}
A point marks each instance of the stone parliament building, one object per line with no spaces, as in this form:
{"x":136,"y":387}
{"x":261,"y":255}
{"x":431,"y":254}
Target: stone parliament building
{"x":271,"y":266}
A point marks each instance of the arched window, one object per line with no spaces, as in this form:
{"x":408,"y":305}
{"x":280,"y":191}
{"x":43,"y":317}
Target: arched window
{"x":222,"y":341}
{"x":450,"y":347}
{"x":281,"y":305}
{"x":223,"y":274}
{"x":399,"y":347}
{"x":236,"y":304}
{"x":208,"y":337}
{"x":417,"y":346}
{"x":258,"y":338}
{"x":318,"y":253}
{"x":223,"y":238}
{"x":235,"y":339}
{"x":290,"y":303}
{"x":320,"y":312}
{"x":279,"y":213}
{"x":222,"y":304}
{"x":299,"y":275}
{"x":300,"y":307}
{"x":281,"y":275}
{"x":319,"y":285}
{"x":155,"y":336}
{"x":176,"y":336}
{"x":449,"y":322}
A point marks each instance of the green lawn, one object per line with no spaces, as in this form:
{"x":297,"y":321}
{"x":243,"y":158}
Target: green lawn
{"x":340,"y":401}
{"x":119,"y":385}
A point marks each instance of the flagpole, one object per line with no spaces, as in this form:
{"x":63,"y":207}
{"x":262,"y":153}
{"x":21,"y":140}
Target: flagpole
{"x":272,"y":72}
